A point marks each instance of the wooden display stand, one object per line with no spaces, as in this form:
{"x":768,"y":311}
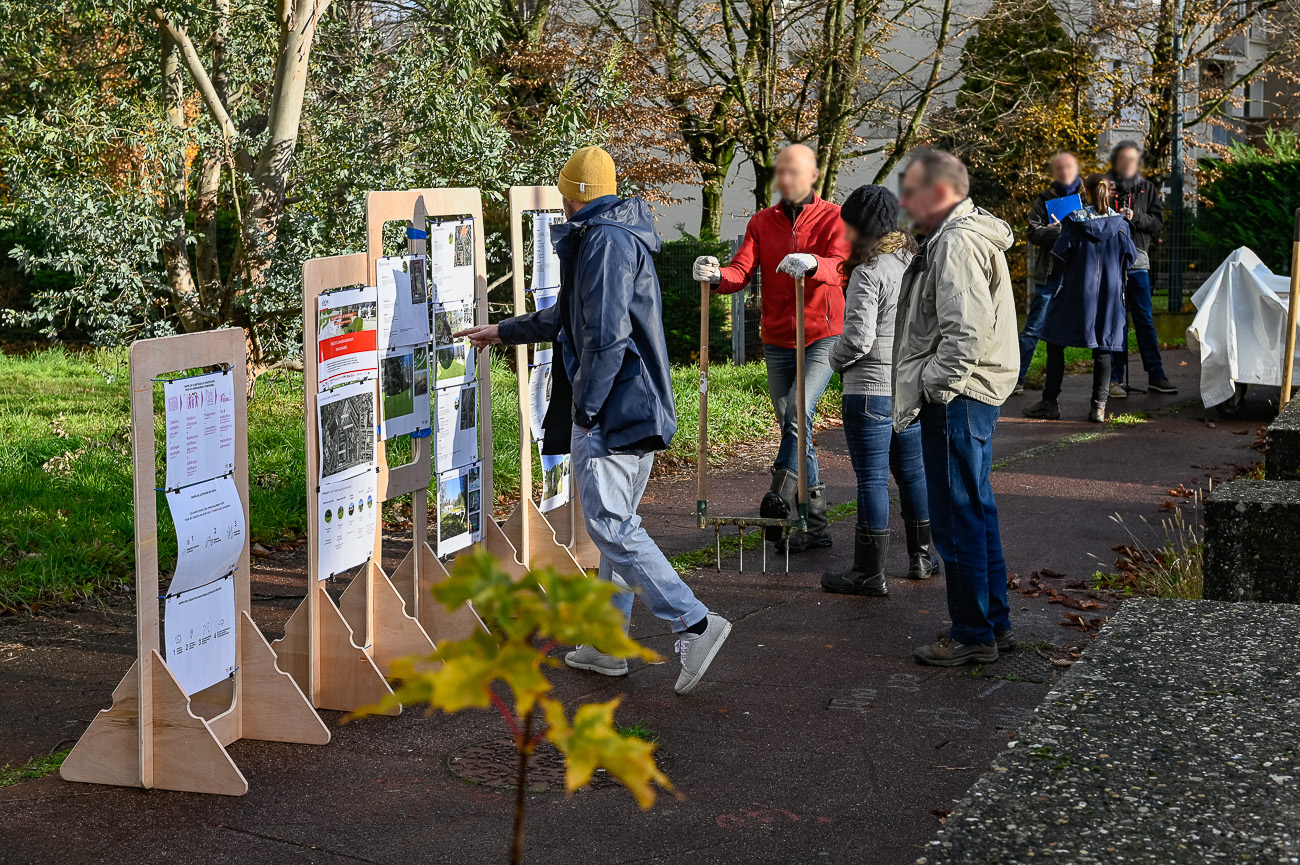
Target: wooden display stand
{"x":557,"y":537}
{"x":154,"y":735}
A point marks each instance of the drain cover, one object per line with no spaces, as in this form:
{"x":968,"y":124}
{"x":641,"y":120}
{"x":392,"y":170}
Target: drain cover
{"x":494,"y":763}
{"x":1022,"y":666}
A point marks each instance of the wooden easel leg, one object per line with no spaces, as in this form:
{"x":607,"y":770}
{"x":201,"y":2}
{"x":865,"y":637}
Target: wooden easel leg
{"x":546,"y":548}
{"x":513,"y":528}
{"x":496,"y":543}
{"x":403,"y":580}
{"x":187,"y":755}
{"x":109,"y":751}
{"x":291,"y":651}
{"x":583,"y":547}
{"x":438,"y":622}
{"x":396,"y":635}
{"x":272,"y":706}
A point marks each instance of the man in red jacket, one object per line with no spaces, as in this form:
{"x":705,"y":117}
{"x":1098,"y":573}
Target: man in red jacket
{"x":800,"y":236}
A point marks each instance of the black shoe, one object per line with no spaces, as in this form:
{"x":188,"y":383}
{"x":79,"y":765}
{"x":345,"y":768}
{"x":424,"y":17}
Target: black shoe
{"x":921,"y":563}
{"x":1043,"y":410}
{"x":947,"y":652}
{"x":819,"y":530}
{"x":867,"y":576}
{"x":778,"y":502}
{"x":1005,"y":639}
{"x":1161,"y":385}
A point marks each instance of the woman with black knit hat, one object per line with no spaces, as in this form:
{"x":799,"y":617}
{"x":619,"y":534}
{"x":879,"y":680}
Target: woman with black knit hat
{"x":873,"y":274}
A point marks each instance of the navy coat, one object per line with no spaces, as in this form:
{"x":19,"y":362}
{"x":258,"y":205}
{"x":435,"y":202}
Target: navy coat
{"x":608,"y":328}
{"x":1093,"y":254}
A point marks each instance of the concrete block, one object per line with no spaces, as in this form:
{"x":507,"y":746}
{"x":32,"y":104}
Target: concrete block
{"x":1282,"y":459}
{"x":1252,"y":546}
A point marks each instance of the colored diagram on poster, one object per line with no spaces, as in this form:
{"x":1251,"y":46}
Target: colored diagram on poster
{"x":456,"y":430}
{"x":459,"y":509}
{"x":347,"y":332}
{"x":200,"y":422}
{"x":209,"y":521}
{"x":404,"y":391}
{"x":451,"y":262}
{"x":199,"y":634}
{"x":403,"y":298}
{"x":346,"y":418}
{"x":555,"y":481}
{"x":546,"y":264}
{"x":346,"y":522}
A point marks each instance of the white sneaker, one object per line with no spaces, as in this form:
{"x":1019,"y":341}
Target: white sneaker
{"x":699,"y":650}
{"x":587,"y":658}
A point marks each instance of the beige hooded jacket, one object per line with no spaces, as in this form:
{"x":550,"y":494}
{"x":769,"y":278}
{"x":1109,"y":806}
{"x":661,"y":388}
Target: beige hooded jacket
{"x":955,"y":334}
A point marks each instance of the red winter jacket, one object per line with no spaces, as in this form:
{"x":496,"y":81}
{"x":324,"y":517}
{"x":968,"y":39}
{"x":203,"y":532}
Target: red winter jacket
{"x":769,"y":237}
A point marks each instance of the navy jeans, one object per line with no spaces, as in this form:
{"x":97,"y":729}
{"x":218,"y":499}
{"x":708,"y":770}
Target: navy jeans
{"x":781,"y":387}
{"x":1039,"y":298}
{"x":957,"y":444}
{"x":876,"y":450}
{"x":1137,"y":297}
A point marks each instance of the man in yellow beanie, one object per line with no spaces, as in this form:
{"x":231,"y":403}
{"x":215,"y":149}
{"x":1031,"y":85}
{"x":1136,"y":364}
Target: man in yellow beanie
{"x":612,"y":399}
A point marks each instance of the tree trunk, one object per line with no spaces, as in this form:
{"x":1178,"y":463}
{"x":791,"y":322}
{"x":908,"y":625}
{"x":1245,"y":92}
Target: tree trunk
{"x":176,"y":258}
{"x":521,"y":789}
{"x":764,"y":173}
{"x":714,"y":165}
{"x":207,"y":201}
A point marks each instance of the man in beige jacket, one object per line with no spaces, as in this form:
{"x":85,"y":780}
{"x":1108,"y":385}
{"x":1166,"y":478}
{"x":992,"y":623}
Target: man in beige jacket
{"x":956,"y":359}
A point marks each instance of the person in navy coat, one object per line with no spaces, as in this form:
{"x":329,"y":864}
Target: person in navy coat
{"x":1094,"y":252}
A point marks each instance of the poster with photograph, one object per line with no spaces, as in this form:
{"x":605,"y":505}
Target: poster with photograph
{"x":450,"y":318}
{"x":555,"y":481}
{"x":459,"y":509}
{"x":209,"y":521}
{"x":200,"y":422}
{"x":456,"y":431}
{"x":403,"y":298}
{"x":453,"y":364}
{"x":546,"y":264}
{"x":539,"y":398}
{"x":404,"y":391}
{"x":199,"y":634}
{"x":346,"y":522}
{"x":451,"y":262}
{"x":346,"y":419}
{"x":346,"y":336}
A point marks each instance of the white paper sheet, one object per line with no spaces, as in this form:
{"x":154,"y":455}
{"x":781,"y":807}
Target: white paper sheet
{"x":200,"y":421}
{"x":403,"y":299}
{"x":347,"y":334}
{"x":347,"y":517}
{"x":451,"y":261}
{"x":459,"y":509}
{"x":539,"y":397}
{"x":555,"y":481}
{"x":546,"y":264}
{"x":456,"y":430}
{"x":210,"y":536}
{"x":404,"y":391}
{"x":199,"y":632}
{"x":346,"y":419}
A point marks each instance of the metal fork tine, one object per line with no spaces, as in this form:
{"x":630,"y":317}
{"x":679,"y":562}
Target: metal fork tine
{"x":741,"y":529}
{"x":717,"y":539}
{"x":762,"y":545}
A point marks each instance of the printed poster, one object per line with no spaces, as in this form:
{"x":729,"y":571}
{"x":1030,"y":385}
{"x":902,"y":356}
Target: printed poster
{"x":346,"y":522}
{"x":199,"y":634}
{"x":539,"y":397}
{"x":456,"y":434}
{"x":346,"y":419}
{"x":546,"y":264}
{"x":555,"y":481}
{"x":451,"y":262}
{"x":200,"y":421}
{"x":404,"y":391}
{"x":459,"y":509}
{"x":403,"y":296}
{"x":347,"y":335}
{"x":209,"y":521}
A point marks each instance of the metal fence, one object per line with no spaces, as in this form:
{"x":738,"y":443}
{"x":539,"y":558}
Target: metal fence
{"x":733,"y":319}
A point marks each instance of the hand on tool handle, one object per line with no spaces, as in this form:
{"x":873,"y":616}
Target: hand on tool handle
{"x":798,"y":264}
{"x":706,"y":269}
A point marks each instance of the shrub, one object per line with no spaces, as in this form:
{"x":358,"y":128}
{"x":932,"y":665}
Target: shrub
{"x":1250,"y":198}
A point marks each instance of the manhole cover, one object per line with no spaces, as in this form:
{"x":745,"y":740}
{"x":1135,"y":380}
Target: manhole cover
{"x":1024,"y":665}
{"x":494,"y":763}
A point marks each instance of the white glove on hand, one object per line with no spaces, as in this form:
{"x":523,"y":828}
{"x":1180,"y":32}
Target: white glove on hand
{"x":798,"y":264}
{"x":706,"y":270}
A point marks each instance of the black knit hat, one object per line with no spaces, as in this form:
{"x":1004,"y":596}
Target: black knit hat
{"x":872,"y":210}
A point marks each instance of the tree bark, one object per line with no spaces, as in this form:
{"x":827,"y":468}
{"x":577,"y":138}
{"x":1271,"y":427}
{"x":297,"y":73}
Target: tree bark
{"x":207,"y":201}
{"x":176,"y":258}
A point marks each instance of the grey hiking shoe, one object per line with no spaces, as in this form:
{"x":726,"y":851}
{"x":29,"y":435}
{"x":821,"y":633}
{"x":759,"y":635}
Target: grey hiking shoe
{"x":1117,"y":391}
{"x":947,"y":652}
{"x":699,"y":650}
{"x":1005,"y":639}
{"x":587,"y":658}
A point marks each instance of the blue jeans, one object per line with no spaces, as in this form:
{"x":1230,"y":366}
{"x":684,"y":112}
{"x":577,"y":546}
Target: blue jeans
{"x":781,"y":387}
{"x":1039,"y":297}
{"x":1137,"y":297}
{"x":957,"y":444}
{"x":876,"y":450}
{"x":610,"y":486}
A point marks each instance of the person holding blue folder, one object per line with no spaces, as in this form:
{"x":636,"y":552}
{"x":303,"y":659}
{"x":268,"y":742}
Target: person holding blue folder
{"x":1045,"y":216}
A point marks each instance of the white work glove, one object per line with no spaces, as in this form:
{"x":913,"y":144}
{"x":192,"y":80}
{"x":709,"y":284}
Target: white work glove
{"x":798,"y":264}
{"x":706,"y":270}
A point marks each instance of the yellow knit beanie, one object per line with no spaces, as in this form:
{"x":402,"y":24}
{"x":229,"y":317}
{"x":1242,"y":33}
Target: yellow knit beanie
{"x":588,"y":175}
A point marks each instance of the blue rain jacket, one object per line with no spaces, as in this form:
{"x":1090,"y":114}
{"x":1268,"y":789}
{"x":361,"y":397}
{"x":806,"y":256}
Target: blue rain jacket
{"x":1093,"y":254}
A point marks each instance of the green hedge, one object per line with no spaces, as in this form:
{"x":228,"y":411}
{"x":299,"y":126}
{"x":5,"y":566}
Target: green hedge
{"x":681,"y":296}
{"x":1250,"y":199}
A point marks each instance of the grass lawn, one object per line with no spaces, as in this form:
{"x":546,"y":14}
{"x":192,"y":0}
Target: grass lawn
{"x":65,"y":466}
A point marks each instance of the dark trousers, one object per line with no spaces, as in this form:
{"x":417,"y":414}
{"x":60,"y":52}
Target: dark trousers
{"x":1056,"y":373}
{"x":876,"y":450}
{"x":957,"y":446}
{"x":1137,"y":297}
{"x":1040,"y":295}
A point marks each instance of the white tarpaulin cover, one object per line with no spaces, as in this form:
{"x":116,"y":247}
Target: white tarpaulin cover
{"x":1240,"y":327}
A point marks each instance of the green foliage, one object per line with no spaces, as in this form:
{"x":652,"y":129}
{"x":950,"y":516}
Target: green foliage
{"x":681,"y":300}
{"x":527,"y":617}
{"x":37,"y":767}
{"x":1250,"y":199}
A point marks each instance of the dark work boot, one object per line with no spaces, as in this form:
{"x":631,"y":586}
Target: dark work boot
{"x":867,"y":576}
{"x":779,"y":501}
{"x":819,"y":530}
{"x":921,"y":563}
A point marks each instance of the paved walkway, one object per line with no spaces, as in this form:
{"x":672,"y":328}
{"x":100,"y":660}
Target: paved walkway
{"x":814,"y":738}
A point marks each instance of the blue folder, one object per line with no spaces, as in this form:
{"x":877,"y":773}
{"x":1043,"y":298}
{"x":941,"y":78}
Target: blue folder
{"x":1063,"y":206}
